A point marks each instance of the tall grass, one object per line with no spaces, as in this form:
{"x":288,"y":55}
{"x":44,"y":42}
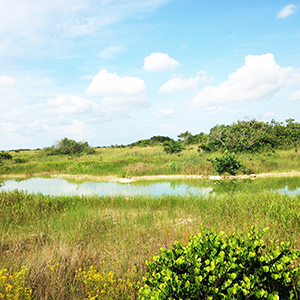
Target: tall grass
{"x":136,"y":161}
{"x":56,"y":237}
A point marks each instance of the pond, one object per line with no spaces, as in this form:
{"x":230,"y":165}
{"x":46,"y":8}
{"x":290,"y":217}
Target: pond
{"x":198,"y":187}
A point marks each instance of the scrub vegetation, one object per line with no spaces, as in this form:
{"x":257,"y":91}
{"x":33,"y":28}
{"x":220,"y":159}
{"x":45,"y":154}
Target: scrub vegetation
{"x":91,"y":247}
{"x":243,"y":147}
{"x":70,"y":247}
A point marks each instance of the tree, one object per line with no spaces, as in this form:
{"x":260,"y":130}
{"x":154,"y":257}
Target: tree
{"x":184,"y":136}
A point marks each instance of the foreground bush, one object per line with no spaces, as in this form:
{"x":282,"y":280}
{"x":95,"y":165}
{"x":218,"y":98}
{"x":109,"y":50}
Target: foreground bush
{"x":216,"y":266}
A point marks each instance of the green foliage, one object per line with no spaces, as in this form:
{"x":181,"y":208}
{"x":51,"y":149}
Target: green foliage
{"x":173,"y":166}
{"x":254,"y":136}
{"x":69,"y":147}
{"x":216,"y":266}
{"x":172,"y":147}
{"x":5,"y":155}
{"x":228,"y":162}
{"x":19,"y":160}
{"x":155,"y":140}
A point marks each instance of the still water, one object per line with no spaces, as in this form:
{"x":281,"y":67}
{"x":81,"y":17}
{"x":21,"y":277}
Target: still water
{"x":55,"y":187}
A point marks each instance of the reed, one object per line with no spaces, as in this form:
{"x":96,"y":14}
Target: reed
{"x":135,"y":161}
{"x":57,"y":238}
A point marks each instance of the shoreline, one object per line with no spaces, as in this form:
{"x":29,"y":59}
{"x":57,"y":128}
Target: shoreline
{"x":150,"y":177}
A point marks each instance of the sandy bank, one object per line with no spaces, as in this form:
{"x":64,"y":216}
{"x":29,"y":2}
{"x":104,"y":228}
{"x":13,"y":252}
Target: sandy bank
{"x":149,"y":177}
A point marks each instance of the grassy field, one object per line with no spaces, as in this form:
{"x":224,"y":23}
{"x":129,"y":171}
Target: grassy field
{"x":81,"y":247}
{"x":59,"y":239}
{"x":136,"y":161}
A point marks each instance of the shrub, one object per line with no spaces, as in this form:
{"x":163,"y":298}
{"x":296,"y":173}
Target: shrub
{"x":69,"y":147}
{"x":228,"y":162}
{"x":172,"y":147}
{"x":5,"y":155}
{"x":19,"y":160}
{"x":216,"y":266}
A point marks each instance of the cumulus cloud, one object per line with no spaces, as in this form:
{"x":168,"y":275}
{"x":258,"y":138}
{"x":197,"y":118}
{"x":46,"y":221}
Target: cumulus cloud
{"x":6,"y":80}
{"x":178,"y":83}
{"x":119,"y":93}
{"x":259,"y":78}
{"x":165,"y":113}
{"x":160,"y":62}
{"x":287,"y":11}
{"x":295,"y":96}
{"x":66,"y":104}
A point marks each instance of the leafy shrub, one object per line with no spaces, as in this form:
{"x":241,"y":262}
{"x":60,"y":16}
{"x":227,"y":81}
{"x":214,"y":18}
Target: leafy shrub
{"x":5,"y":155}
{"x":69,"y":147}
{"x":216,"y":266}
{"x":228,"y":162}
{"x":172,"y":147}
{"x":19,"y":160}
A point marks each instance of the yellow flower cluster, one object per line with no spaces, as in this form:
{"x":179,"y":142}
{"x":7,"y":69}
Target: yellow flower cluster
{"x":104,"y":285}
{"x":14,"y":287}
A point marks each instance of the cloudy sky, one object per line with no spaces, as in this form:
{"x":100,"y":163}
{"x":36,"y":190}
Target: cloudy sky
{"x":116,"y":71}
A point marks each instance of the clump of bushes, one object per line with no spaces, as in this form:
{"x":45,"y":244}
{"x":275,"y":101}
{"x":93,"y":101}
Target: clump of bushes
{"x":173,"y":147}
{"x":69,"y":147}
{"x":5,"y":155}
{"x":217,"y":266}
{"x":227,"y":163}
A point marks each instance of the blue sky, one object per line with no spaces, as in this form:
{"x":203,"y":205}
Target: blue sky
{"x":116,"y":71}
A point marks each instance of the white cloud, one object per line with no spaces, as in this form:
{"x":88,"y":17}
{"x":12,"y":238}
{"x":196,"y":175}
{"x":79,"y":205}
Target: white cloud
{"x":72,"y":128}
{"x":160,"y":62}
{"x":295,"y":96}
{"x":259,"y":78}
{"x":165,"y":113}
{"x":119,"y":93}
{"x":76,"y":128}
{"x":110,"y":51}
{"x":178,"y":84}
{"x":269,"y":114}
{"x":110,"y":84}
{"x":287,"y":11}
{"x":6,"y":80}
{"x":66,"y":104}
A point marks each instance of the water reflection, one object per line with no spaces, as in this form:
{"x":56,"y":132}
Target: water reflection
{"x":203,"y":188}
{"x":63,"y":187}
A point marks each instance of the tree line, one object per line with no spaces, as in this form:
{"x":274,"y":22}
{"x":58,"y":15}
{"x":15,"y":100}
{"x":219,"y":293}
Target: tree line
{"x":240,"y":136}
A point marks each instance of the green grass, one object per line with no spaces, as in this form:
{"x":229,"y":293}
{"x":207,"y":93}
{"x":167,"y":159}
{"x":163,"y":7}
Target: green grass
{"x":118,"y":233}
{"x":136,"y":161}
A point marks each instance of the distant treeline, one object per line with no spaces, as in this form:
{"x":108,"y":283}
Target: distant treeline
{"x":240,"y":136}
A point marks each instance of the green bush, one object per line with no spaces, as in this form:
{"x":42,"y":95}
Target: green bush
{"x":5,"y":155}
{"x":216,"y":266}
{"x":172,"y":147}
{"x":228,"y":162}
{"x":69,"y":147}
{"x":19,"y":160}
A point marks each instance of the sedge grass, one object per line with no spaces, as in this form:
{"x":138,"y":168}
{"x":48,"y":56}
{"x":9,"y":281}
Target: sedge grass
{"x":54,"y":237}
{"x":136,"y":161}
